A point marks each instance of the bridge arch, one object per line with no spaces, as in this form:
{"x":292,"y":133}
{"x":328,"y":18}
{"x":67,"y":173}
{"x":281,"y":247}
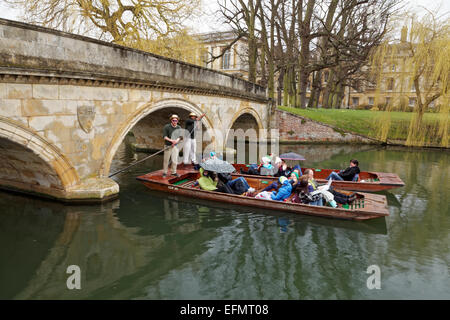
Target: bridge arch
{"x":31,"y":163}
{"x":139,"y":115}
{"x":246,"y":119}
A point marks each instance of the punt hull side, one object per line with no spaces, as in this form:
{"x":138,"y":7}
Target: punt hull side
{"x":328,"y":212}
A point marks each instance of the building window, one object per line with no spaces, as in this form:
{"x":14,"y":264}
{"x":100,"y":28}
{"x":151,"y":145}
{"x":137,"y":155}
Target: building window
{"x":226,"y":60}
{"x":355,"y":101}
{"x":308,"y":87}
{"x":413,"y":87}
{"x":412,"y":102}
{"x":393,"y":68}
{"x":390,"y":84}
{"x":388,"y":100}
{"x":371,"y":101}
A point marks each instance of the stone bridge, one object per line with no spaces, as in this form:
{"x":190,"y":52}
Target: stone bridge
{"x":67,"y":102}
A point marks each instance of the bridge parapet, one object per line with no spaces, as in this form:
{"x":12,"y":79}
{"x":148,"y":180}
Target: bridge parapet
{"x":32,"y":50}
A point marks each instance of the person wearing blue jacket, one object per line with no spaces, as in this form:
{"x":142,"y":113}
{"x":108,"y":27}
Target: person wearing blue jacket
{"x":284,"y":192}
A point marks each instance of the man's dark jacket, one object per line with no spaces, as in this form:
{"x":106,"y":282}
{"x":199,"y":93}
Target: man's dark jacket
{"x":349,"y":173}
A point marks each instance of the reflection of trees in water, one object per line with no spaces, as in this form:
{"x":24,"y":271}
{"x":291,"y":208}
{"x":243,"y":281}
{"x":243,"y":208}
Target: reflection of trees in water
{"x":424,"y":223}
{"x":418,"y":225}
{"x":28,"y":230}
{"x":250,"y":259}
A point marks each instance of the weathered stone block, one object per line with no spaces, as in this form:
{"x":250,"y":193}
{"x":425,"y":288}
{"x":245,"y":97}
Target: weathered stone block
{"x":104,"y":107}
{"x":94,"y":188}
{"x":139,"y":95}
{"x":3,"y":91}
{"x":45,"y":91}
{"x":34,"y":107}
{"x":69,"y":92}
{"x":19,"y":91}
{"x":128,"y":108}
{"x":52,"y":122}
{"x":71,"y":107}
{"x":59,"y":135}
{"x":10,"y":107}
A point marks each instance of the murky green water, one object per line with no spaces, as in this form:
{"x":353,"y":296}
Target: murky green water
{"x":147,"y":245}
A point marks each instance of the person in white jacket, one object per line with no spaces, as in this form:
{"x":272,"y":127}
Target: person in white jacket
{"x":190,"y":143}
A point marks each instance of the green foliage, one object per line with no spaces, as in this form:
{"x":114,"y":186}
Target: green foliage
{"x":367,"y":122}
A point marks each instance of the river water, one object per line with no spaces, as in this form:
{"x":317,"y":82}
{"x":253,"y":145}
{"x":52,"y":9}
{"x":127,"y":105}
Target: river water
{"x":147,"y":245}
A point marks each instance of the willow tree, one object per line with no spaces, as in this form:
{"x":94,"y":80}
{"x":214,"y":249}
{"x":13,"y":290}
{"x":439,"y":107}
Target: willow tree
{"x":120,"y":21}
{"x":422,"y":57}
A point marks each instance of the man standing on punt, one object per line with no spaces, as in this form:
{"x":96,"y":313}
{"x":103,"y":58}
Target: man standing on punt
{"x":171,"y":149}
{"x":190,"y":143}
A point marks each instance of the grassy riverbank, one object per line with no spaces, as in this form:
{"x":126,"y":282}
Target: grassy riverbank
{"x":365,"y":122}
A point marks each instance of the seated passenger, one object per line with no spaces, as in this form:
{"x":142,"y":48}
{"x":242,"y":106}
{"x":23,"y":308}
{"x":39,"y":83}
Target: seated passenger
{"x":282,"y":193}
{"x":206,"y":182}
{"x":228,"y":185}
{"x":298,"y":169}
{"x":323,"y":189}
{"x":283,"y":169}
{"x":253,"y":169}
{"x":267,"y":168}
{"x":310,"y":174}
{"x":302,"y":193}
{"x":293,"y":179}
{"x":239,"y":185}
{"x":347,"y":174}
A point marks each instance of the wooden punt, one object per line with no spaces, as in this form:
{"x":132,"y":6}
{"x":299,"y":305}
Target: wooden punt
{"x":367,"y":181}
{"x":366,"y":206}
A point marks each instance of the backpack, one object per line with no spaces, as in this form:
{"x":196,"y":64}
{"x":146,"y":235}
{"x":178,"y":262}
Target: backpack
{"x":224,"y":188}
{"x":224,"y":177}
{"x":239,"y":187}
{"x":342,"y":198}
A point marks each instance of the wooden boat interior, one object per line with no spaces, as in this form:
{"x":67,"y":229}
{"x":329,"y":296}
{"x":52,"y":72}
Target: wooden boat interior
{"x":188,"y":180}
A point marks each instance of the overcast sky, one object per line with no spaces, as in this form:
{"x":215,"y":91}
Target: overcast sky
{"x":209,"y":23}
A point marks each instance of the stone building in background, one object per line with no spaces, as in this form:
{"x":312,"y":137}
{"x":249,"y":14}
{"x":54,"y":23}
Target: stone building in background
{"x":362,"y":94}
{"x":232,"y":60}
